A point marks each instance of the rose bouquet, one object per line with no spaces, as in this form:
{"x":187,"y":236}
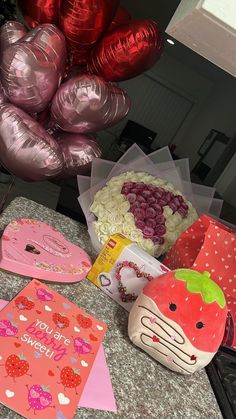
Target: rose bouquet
{"x":149,"y":199}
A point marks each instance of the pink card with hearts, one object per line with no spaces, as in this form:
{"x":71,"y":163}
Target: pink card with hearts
{"x":47,"y":347}
{"x":35,"y":249}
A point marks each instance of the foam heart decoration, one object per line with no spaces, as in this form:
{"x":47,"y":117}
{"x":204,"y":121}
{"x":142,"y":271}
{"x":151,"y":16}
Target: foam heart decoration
{"x":26,"y":149}
{"x":52,"y":41}
{"x":29,"y":77}
{"x":58,"y":260}
{"x":127,"y":51}
{"x":86,"y":103}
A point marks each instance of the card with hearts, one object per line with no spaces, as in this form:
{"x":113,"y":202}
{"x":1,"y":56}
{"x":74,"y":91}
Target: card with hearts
{"x":47,"y":348}
{"x":122,"y":270}
{"x":35,"y":249}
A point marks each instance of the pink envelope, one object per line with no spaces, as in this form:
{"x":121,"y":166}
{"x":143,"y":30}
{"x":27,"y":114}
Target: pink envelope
{"x":95,"y":397}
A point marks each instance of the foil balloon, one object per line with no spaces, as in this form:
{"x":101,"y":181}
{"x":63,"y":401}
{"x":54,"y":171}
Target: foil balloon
{"x":127,"y":51}
{"x":79,"y":150}
{"x":39,"y":11}
{"x":3,"y":98}
{"x":121,"y":17}
{"x":83,"y":22}
{"x":26,"y":149}
{"x":10,"y":33}
{"x":52,"y":41}
{"x":28,"y":76}
{"x":86,"y":103}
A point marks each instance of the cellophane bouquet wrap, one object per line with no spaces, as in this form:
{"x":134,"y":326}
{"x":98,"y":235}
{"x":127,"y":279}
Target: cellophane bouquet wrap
{"x":150,"y":199}
{"x":209,"y":245}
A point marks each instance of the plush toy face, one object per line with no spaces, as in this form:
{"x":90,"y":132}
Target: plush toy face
{"x":179,"y":319}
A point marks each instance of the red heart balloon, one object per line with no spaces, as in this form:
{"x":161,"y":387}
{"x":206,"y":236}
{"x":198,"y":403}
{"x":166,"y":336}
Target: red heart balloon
{"x":83,"y":22}
{"x":86,"y":104}
{"x":78,"y":151}
{"x":121,"y":17}
{"x":26,"y":149}
{"x":127,"y":51}
{"x":39,"y":11}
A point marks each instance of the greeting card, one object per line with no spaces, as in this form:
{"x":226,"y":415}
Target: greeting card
{"x":99,"y":397}
{"x":47,"y":348}
{"x":35,"y":249}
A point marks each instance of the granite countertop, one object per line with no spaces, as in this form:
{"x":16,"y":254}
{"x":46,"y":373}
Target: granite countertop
{"x":143,"y":388}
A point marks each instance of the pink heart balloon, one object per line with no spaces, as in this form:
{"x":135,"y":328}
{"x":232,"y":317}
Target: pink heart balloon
{"x":3,"y":98}
{"x":28,"y":76}
{"x":79,"y":150}
{"x":26,"y":149}
{"x":10,"y":33}
{"x":52,"y":41}
{"x":87,"y":103}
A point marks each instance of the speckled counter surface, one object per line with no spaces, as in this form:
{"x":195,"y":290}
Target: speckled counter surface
{"x":143,"y":388}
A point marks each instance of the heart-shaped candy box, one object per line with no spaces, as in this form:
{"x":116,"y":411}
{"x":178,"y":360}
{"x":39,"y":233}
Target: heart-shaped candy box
{"x":35,"y":249}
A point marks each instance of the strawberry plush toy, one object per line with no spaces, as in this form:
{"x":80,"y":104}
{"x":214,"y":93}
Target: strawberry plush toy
{"x":179,"y":319}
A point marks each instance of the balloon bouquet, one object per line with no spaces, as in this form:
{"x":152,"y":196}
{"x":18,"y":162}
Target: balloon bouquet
{"x":57,"y":82}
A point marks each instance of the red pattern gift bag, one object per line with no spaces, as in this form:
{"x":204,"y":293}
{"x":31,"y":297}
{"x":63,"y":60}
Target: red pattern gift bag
{"x":208,"y":245}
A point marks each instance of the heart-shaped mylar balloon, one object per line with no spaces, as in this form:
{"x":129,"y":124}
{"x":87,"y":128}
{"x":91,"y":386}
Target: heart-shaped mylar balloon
{"x":10,"y":33}
{"x":83,"y":22}
{"x":26,"y":149}
{"x":86,"y":103}
{"x":3,"y":98}
{"x":127,"y":51}
{"x":28,"y":76}
{"x":52,"y":41}
{"x":78,"y":151}
{"x":39,"y":11}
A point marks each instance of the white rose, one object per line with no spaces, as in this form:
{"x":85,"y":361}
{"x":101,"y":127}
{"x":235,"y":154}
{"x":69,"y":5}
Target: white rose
{"x":124,"y":207}
{"x":115,"y":218}
{"x":136,"y":235}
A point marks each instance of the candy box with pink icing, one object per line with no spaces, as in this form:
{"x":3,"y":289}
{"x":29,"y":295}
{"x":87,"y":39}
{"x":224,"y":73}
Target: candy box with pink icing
{"x":122,"y":270}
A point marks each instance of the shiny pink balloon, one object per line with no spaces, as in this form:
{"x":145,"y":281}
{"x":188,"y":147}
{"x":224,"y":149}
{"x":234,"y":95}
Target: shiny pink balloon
{"x":53,"y":43}
{"x":3,"y":98}
{"x":87,"y":103}
{"x":10,"y":33}
{"x":28,"y":76}
{"x":26,"y":149}
{"x":79,"y":150}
